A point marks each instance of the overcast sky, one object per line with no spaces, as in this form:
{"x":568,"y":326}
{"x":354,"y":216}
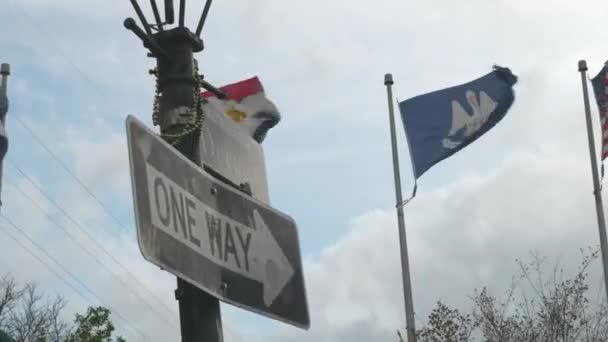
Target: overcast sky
{"x":524,"y":186}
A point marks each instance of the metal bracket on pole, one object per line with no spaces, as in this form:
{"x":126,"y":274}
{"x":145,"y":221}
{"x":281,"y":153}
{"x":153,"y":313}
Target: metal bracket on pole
{"x":208,"y":86}
{"x":156,"y":50}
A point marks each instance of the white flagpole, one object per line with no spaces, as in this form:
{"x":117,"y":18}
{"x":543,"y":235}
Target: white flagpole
{"x":582,"y":68}
{"x":405,"y":268}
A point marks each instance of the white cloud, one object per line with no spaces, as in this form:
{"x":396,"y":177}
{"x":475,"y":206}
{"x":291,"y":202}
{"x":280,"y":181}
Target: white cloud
{"x":114,"y":284}
{"x":461,"y":237}
{"x":524,"y":186}
{"x":101,"y":159}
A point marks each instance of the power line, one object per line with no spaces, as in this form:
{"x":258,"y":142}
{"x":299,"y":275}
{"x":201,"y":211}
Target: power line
{"x":63,"y":268}
{"x":67,"y":169}
{"x":31,"y":240}
{"x":46,"y":34}
{"x":105,"y":251}
{"x":10,"y":162}
{"x":81,"y":183}
{"x":54,"y":43}
{"x":58,"y":275}
{"x":99,"y":202}
{"x":72,"y":238}
{"x":63,"y":165}
{"x":39,"y":207}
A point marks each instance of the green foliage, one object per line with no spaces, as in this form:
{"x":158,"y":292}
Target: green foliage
{"x":95,"y":326}
{"x":5,"y":338}
{"x":27,"y":316}
{"x":446,"y":325}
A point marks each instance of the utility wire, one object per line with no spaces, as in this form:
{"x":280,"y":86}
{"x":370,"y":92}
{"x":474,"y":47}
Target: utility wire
{"x":31,"y":240}
{"x":54,"y":156}
{"x":72,"y":238}
{"x":67,"y":169}
{"x":44,"y":33}
{"x":42,"y":261}
{"x":105,"y":251}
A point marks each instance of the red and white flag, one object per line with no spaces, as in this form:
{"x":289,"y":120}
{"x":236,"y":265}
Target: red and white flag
{"x":600,"y":88}
{"x":246,"y":104}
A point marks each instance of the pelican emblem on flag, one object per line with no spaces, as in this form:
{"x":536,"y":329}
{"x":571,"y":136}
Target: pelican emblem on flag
{"x":441,"y":123}
{"x":465,"y":124}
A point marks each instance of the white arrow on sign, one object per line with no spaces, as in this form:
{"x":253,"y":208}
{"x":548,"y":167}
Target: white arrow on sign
{"x":249,"y":250}
{"x":273,"y":265}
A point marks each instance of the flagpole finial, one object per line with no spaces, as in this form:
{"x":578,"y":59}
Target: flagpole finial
{"x":5,"y":69}
{"x":582,"y":65}
{"x":388,"y":79}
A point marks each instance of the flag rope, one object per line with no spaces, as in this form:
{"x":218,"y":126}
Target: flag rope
{"x":406,"y":201}
{"x":602,"y":176}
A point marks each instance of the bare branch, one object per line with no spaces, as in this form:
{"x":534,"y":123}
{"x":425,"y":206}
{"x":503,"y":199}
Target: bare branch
{"x":556,"y":309}
{"x":9,"y":295}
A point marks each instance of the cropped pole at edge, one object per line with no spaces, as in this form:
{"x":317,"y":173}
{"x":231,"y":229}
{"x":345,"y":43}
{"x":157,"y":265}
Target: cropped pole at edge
{"x":182,"y":12}
{"x":599,"y":207}
{"x":169,"y":12}
{"x":405,"y":267}
{"x":159,"y":21}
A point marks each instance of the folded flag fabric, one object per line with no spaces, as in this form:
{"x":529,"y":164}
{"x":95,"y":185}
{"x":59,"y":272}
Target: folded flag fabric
{"x":3,"y":135}
{"x":440,"y":123}
{"x":246,"y":104}
{"x":4,"y":72}
{"x":600,"y":89}
{"x":3,"y":111}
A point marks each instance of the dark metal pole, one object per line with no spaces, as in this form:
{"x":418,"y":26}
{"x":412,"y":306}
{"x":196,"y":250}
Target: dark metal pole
{"x":405,"y":266}
{"x":141,"y":16}
{"x":5,"y":71}
{"x":201,"y":21}
{"x":169,"y":12}
{"x":200,"y":315}
{"x":182,"y":12}
{"x":597,"y":192}
{"x":179,"y":118}
{"x":159,"y":22}
{"x":158,"y":52}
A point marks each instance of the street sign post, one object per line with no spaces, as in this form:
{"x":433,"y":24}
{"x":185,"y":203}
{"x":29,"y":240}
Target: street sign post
{"x":233,"y":246}
{"x":234,"y":155}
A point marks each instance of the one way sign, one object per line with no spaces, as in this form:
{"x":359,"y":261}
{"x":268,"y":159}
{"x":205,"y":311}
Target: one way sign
{"x":227,"y":243}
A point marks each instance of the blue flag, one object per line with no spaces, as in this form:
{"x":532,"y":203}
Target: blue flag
{"x":441,"y":123}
